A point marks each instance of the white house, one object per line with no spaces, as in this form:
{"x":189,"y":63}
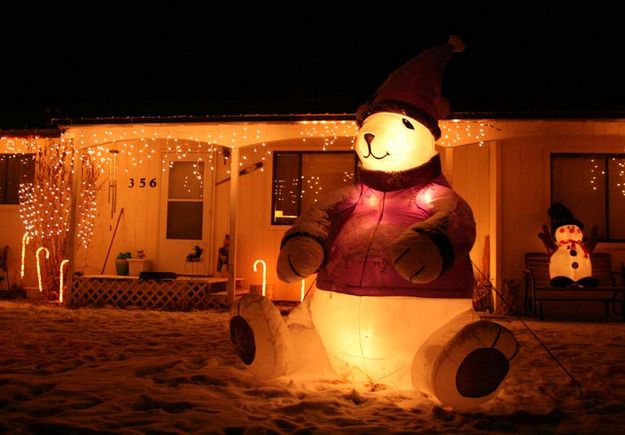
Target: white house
{"x":166,"y":185}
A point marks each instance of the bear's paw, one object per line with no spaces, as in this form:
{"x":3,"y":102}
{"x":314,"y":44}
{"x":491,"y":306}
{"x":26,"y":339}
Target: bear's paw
{"x":416,"y":257}
{"x":299,"y":258}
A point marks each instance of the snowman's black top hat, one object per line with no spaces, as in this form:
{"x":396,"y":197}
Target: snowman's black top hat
{"x":561,"y":216}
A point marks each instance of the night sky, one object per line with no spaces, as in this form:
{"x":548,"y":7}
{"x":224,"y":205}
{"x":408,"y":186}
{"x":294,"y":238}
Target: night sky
{"x":176,"y":58}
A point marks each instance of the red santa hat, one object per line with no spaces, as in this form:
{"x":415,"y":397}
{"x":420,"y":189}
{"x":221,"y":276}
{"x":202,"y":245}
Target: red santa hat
{"x":414,"y":89}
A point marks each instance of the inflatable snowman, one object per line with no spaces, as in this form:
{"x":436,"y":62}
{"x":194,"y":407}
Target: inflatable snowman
{"x":392,"y":303}
{"x":569,"y":264}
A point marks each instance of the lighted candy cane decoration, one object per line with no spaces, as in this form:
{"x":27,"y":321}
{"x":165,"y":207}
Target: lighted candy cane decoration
{"x":25,"y":240}
{"x":39,"y":265}
{"x":264,"y":273}
{"x":63,"y":263}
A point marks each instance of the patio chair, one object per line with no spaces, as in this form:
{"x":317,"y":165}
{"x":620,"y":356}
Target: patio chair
{"x":194,"y":261}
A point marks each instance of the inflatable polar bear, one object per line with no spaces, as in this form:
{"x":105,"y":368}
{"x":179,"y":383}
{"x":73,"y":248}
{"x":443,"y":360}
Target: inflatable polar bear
{"x":392,"y":303}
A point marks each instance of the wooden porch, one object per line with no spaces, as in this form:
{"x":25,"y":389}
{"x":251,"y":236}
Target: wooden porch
{"x":182,"y":293}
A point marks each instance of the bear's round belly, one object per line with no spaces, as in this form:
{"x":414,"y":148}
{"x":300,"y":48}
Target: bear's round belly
{"x":374,"y":339}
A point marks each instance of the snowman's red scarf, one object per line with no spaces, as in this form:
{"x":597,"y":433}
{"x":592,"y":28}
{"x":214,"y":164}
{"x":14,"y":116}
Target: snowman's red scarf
{"x":570,"y":244}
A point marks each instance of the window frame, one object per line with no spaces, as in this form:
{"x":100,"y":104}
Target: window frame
{"x":200,"y":200}
{"x":605,"y":157}
{"x":300,"y":155}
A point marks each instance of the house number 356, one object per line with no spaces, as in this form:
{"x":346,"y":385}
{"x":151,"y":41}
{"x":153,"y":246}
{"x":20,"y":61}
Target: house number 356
{"x":142,"y":182}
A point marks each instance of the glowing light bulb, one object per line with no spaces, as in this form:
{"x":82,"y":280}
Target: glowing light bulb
{"x":39,"y":265}
{"x":63,"y":263}
{"x":264,"y":274}
{"x":427,"y":196}
{"x":25,"y":239}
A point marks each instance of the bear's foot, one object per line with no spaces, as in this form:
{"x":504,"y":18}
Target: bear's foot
{"x":470,"y":379}
{"x":242,"y":337}
{"x":472,"y":366}
{"x":260,"y":337}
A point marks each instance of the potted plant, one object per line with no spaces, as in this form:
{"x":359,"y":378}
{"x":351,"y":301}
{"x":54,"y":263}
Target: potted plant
{"x":121,"y":263}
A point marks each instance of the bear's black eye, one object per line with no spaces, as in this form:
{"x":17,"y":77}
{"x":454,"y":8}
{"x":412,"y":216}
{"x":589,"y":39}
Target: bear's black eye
{"x":407,"y":124}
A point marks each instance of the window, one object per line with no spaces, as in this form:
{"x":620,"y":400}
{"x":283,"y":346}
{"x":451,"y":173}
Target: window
{"x":185,"y":200}
{"x":302,"y":178}
{"x":592,"y":186}
{"x":15,"y":169}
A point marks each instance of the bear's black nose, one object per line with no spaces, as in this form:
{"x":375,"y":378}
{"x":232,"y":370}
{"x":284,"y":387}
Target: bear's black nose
{"x":369,"y":138}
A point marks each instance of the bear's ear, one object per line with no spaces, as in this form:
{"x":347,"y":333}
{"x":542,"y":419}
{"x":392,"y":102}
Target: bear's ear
{"x":360,"y":113}
{"x":442,"y":108}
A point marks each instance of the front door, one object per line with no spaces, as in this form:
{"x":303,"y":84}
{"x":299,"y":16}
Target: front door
{"x":184,"y":227}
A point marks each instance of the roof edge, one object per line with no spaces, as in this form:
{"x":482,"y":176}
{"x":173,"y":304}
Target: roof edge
{"x":539,"y":114}
{"x":35,"y":132}
{"x":62,"y":123}
{"x":68,"y":122}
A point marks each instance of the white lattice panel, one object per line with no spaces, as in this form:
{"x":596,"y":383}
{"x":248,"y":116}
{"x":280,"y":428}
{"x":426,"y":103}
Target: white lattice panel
{"x":169,"y":295}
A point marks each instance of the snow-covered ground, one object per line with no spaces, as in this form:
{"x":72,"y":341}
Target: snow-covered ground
{"x":134,"y":371}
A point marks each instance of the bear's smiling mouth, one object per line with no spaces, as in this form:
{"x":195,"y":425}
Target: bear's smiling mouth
{"x":368,"y":139}
{"x":373,"y":155}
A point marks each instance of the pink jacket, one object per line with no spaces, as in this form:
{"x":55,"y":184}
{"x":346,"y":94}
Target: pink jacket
{"x":357,"y":225}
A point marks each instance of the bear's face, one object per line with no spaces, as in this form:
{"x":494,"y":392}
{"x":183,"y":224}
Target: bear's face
{"x":392,"y":142}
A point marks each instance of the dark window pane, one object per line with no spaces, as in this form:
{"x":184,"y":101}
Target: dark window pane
{"x":579,"y":183}
{"x":323,"y":173}
{"x":15,"y":170}
{"x":184,"y":220}
{"x":302,"y":178}
{"x":616,"y":205}
{"x":186,"y":180}
{"x":286,"y":182}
